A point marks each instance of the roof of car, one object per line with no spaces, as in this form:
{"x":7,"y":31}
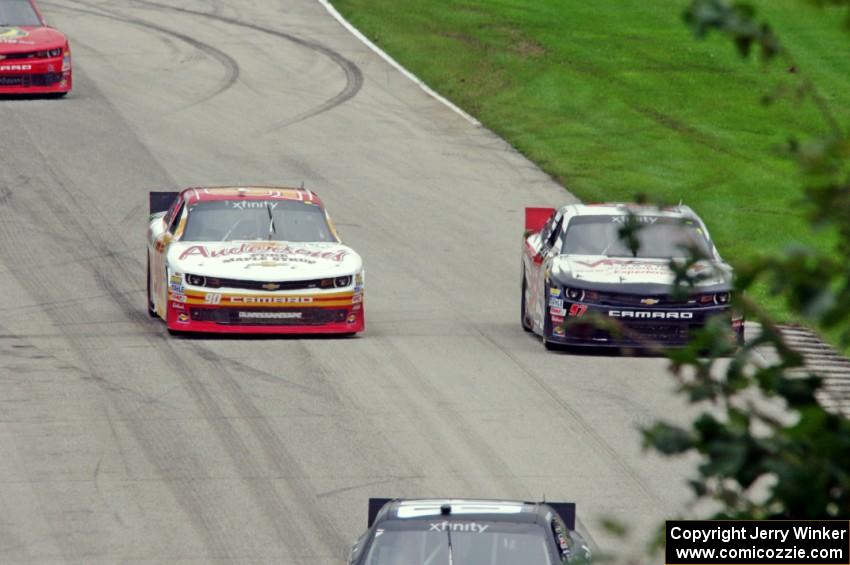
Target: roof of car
{"x":623,"y":208}
{"x":203,"y":194}
{"x":490,"y":510}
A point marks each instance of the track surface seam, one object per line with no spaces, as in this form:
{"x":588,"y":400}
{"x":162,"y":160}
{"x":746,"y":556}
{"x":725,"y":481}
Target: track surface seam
{"x":353,"y":75}
{"x":229,"y":63}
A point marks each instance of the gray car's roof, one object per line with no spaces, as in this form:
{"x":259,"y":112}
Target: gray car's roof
{"x":624,"y":208}
{"x":491,"y":510}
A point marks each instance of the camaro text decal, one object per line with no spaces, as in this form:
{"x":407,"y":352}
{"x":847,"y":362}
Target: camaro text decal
{"x":271,"y":299}
{"x":650,"y":315}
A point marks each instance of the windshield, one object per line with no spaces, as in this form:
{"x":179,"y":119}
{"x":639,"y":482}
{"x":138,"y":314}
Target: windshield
{"x":17,"y":13}
{"x":268,"y":220}
{"x":473,"y":543}
{"x":659,"y":237}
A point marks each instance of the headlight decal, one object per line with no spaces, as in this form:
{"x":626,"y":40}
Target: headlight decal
{"x":722,"y":298}
{"x":575,"y":294}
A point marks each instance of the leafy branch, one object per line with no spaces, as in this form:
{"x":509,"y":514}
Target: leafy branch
{"x":767,"y":447}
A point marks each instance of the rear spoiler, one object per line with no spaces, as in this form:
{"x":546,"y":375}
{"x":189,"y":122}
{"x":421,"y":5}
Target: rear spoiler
{"x":161,"y":201}
{"x":567,"y":512}
{"x":375,"y":505}
{"x":535,"y":218}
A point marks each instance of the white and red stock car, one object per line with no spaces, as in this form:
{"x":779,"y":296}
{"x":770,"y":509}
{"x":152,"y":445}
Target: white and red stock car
{"x":250,"y":260}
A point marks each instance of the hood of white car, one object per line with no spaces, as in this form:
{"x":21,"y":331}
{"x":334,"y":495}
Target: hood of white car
{"x":262,"y":260}
{"x":590,"y":269}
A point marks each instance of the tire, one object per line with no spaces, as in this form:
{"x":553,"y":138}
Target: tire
{"x":550,"y":346}
{"x":547,"y":329}
{"x":739,"y":336}
{"x":523,"y":314}
{"x":151,"y":311}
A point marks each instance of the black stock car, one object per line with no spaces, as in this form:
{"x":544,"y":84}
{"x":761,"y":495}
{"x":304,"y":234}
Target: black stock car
{"x":582,"y":285}
{"x":469,"y":532}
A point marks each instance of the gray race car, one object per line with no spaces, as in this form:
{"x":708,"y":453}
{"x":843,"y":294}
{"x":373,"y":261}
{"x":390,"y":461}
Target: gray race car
{"x":582,"y":284}
{"x":469,"y":532}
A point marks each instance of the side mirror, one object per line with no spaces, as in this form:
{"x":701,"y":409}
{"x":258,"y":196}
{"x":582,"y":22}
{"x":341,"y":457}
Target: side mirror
{"x":355,"y":549}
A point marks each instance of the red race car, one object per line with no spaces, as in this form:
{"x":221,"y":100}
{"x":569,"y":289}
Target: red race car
{"x":34,"y":57}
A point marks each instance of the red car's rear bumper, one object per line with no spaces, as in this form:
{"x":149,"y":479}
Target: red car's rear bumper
{"x":230,"y":320}
{"x":40,"y":77}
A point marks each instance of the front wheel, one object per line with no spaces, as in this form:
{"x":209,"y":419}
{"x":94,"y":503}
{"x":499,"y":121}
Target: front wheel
{"x":151,"y":309}
{"x":547,"y":331}
{"x":523,"y":308}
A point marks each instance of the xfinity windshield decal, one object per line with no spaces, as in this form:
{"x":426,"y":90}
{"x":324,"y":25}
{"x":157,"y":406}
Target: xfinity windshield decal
{"x":246,"y":204}
{"x":458,"y":527}
{"x":636,"y":219}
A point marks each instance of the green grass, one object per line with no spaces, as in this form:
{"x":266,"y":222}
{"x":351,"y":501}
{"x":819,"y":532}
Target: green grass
{"x":615,"y":98}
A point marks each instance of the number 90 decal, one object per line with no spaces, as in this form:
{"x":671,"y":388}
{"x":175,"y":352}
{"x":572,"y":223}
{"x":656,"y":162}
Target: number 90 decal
{"x":212,"y":298}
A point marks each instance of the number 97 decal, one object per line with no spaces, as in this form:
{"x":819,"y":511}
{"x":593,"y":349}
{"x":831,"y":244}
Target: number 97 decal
{"x":576,"y":310}
{"x":212,"y":298}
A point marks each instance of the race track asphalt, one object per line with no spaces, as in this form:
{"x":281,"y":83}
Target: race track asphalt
{"x":119,"y":443}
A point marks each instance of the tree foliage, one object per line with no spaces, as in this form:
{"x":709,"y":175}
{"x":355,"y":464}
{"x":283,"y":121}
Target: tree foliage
{"x":767,"y":447}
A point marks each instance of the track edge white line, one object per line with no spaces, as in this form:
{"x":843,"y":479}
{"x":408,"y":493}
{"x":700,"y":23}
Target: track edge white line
{"x":395,"y":64}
